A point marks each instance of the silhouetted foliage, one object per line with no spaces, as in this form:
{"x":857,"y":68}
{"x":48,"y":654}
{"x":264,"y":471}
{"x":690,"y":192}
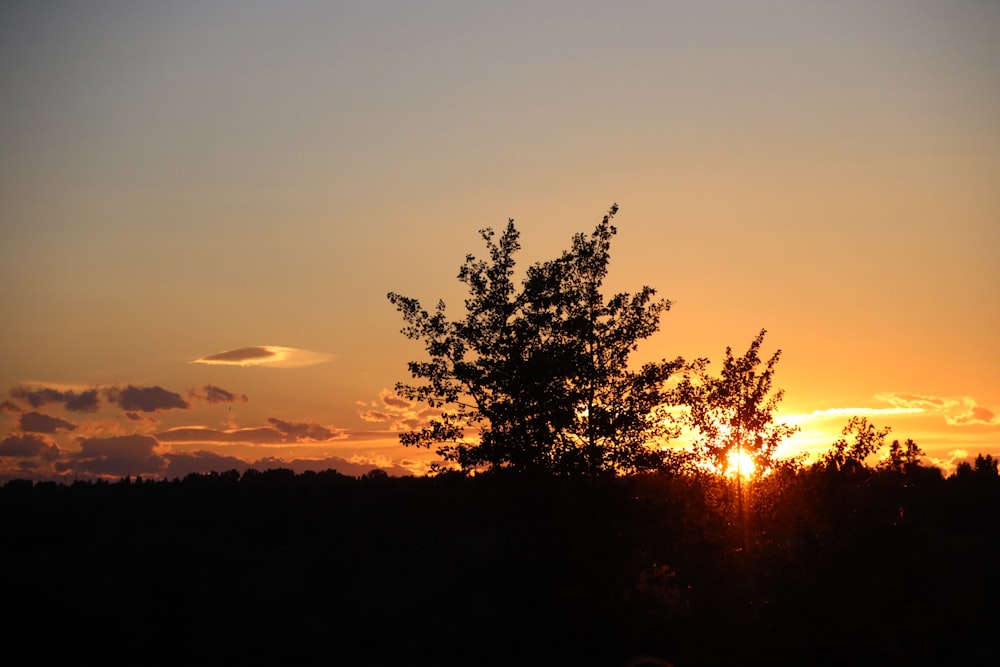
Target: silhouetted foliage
{"x":733,"y":413}
{"x":844,"y":455}
{"x":509,"y":567}
{"x":537,"y":378}
{"x":902,"y":457}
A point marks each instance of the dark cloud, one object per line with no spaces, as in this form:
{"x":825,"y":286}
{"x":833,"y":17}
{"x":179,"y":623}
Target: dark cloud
{"x":9,"y":407}
{"x":260,"y":436}
{"x":180,"y":466}
{"x":145,"y":399}
{"x":116,"y":456}
{"x":28,"y":446}
{"x":212,"y":394}
{"x":304,"y":432}
{"x":84,"y":401}
{"x":118,"y":446}
{"x":239,"y":356}
{"x":36,"y":422}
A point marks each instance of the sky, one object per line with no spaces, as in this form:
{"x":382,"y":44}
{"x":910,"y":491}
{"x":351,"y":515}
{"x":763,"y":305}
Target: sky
{"x":204,"y":204}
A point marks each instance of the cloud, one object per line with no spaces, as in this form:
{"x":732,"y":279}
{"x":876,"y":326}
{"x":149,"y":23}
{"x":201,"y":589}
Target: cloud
{"x":116,"y":456}
{"x":311,"y":432}
{"x":180,"y":466}
{"x":281,"y":432}
{"x":211,"y":394}
{"x":831,"y":413}
{"x":374,"y":416}
{"x":402,"y":414}
{"x":200,"y":434}
{"x":145,"y":399}
{"x":915,"y":401}
{"x":118,"y":446}
{"x":963,"y":411}
{"x":9,"y":407}
{"x":72,"y":400}
{"x":265,"y":355}
{"x":36,"y":422}
{"x":28,"y":446}
{"x":955,"y":411}
{"x":394,"y":401}
{"x":973,"y":414}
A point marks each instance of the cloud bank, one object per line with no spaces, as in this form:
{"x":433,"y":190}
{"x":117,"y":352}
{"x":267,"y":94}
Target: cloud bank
{"x":111,"y":431}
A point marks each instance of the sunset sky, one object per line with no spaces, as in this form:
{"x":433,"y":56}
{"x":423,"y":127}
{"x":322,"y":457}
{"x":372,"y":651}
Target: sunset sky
{"x":204,"y":204}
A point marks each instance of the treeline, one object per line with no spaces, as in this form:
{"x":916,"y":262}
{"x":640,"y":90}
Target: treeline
{"x":814,"y":565}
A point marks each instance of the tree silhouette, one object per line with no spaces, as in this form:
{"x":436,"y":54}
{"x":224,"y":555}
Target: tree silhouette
{"x":902,"y":457}
{"x":732,"y":414}
{"x":844,"y":455}
{"x":537,"y":377}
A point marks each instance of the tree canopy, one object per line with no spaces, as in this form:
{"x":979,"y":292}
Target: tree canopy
{"x":732,"y":414}
{"x":536,"y":376}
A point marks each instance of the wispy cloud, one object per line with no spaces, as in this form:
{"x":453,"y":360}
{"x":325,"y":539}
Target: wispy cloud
{"x":400,"y":413}
{"x":973,"y":414}
{"x":305,"y":432}
{"x":924,"y":403}
{"x":274,"y":356}
{"x":964,"y":411}
{"x":832,"y":413}
{"x":280,"y":432}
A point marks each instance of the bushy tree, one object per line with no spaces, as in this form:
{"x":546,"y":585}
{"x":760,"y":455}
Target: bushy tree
{"x":536,"y":376}
{"x":732,"y":414}
{"x":867,"y":439}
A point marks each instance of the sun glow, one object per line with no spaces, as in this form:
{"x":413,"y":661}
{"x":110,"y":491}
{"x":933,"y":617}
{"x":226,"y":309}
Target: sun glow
{"x":739,"y":463}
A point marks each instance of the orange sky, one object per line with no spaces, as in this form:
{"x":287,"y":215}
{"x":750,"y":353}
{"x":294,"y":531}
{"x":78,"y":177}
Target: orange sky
{"x":180,"y":180}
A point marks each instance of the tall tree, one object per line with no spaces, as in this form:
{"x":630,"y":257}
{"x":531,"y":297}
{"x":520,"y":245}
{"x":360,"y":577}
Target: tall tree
{"x":538,"y":377}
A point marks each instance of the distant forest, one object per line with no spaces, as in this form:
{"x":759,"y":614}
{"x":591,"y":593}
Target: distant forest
{"x":809,"y":565}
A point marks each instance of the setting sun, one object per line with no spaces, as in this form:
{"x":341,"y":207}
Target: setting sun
{"x":739,"y":463}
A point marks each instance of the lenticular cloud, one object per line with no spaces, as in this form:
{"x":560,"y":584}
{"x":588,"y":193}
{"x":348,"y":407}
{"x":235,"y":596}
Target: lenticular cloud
{"x":265,"y":355}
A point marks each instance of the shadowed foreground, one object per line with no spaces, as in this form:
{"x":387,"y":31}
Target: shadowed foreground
{"x":277,"y":568}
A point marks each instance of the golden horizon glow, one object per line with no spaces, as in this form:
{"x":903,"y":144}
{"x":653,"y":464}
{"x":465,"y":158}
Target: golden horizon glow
{"x":172,"y":194}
